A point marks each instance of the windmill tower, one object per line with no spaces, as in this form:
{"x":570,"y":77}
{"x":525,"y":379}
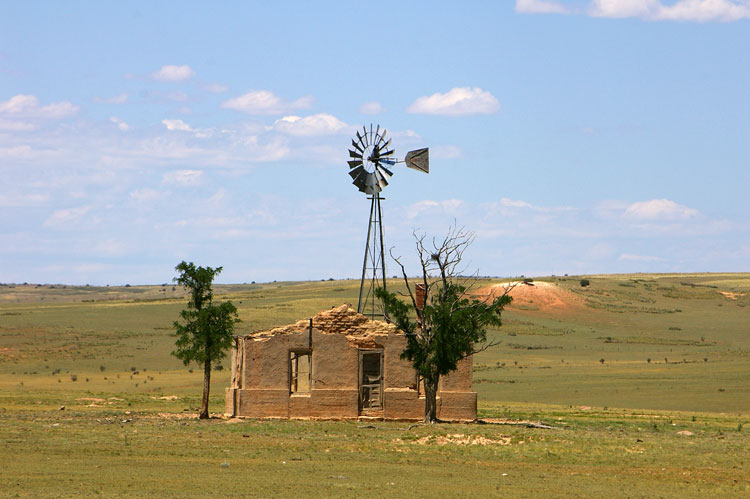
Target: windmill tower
{"x":368,"y":167}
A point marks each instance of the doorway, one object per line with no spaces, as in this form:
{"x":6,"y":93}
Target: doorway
{"x":370,"y":380}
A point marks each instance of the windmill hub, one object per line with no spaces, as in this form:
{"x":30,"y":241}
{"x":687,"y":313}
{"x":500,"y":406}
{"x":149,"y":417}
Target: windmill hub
{"x":368,"y":166}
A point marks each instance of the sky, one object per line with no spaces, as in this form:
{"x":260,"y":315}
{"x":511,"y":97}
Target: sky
{"x":572,"y":137}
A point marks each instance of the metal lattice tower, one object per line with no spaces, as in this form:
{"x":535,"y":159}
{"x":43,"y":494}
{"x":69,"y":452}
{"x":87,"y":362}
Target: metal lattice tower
{"x":367,"y":167}
{"x":373,"y":267}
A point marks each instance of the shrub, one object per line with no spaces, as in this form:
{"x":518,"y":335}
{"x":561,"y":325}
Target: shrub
{"x":585,"y":282}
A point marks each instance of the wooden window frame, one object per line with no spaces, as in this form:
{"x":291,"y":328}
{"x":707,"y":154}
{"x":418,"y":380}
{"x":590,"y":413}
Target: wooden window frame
{"x":293,"y":374}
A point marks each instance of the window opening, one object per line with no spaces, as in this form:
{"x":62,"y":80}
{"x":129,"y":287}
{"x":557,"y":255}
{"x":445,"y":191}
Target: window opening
{"x":300,"y":372}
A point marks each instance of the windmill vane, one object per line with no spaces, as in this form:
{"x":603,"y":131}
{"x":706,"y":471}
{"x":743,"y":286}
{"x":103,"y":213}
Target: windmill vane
{"x":369,"y":161}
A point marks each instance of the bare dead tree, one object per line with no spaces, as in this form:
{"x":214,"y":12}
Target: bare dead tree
{"x":450,"y":322}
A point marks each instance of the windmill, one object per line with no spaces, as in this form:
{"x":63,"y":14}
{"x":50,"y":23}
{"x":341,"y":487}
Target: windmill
{"x":368,"y":167}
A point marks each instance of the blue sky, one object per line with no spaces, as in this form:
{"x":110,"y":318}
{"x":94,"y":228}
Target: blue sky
{"x":572,"y":136}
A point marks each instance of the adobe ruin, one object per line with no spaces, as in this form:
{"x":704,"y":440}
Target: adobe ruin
{"x":337,"y":365}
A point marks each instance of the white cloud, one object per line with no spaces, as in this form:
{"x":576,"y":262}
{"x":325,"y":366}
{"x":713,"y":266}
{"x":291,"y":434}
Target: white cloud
{"x":449,"y":206}
{"x":15,"y":199}
{"x":371,"y":108}
{"x":265,"y":102}
{"x":459,"y":101}
{"x":706,"y":10}
{"x":145,"y":195}
{"x":16,"y":152}
{"x":649,"y":10}
{"x":215,"y":88}
{"x":622,"y":8}
{"x":177,"y":125}
{"x":507,"y":206}
{"x":627,"y":257}
{"x":27,"y":106}
{"x":66,"y":216}
{"x":540,"y":7}
{"x":117,"y":99}
{"x":682,"y":10}
{"x":120,"y":124}
{"x":510,"y":203}
{"x":172,"y":73}
{"x":183,"y":177}
{"x":658,"y":209}
{"x":317,"y":124}
{"x":16,"y":125}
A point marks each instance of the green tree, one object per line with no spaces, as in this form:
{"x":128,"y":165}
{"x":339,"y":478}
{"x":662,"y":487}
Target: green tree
{"x":449,"y":324}
{"x":207,"y":329}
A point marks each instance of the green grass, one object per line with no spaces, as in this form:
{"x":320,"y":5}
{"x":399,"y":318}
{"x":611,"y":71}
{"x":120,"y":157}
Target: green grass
{"x":128,"y":426}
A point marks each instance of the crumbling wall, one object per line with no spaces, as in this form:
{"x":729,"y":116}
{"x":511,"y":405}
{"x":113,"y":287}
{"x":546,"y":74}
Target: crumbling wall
{"x":261,"y":372}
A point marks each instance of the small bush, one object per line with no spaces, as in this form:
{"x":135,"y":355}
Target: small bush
{"x":73,"y":377}
{"x":585,"y":282}
{"x":102,"y":368}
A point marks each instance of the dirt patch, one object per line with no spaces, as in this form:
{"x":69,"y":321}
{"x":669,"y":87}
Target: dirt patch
{"x":731,"y":295}
{"x":535,"y":296}
{"x":177,"y":415}
{"x":7,"y":353}
{"x":457,"y":439}
{"x":89,"y":399}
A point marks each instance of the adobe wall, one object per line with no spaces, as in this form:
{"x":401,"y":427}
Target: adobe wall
{"x":261,"y":373}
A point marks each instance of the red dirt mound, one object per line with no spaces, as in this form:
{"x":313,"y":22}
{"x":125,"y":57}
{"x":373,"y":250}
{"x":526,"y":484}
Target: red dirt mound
{"x":533,"y":296}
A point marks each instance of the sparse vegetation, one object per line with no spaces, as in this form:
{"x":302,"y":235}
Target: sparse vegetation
{"x":115,"y":330}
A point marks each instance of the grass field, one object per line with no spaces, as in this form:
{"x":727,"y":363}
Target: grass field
{"x":643,"y":377}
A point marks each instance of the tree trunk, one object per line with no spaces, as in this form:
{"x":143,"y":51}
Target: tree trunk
{"x":206,"y":388}
{"x":430,"y":400}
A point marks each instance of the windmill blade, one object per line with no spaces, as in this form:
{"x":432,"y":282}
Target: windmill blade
{"x":384,"y":171}
{"x":361,"y":139}
{"x":356,"y":146}
{"x":366,"y":137}
{"x":355,"y":163}
{"x":361,"y":183}
{"x":384,"y":145}
{"x":353,"y":154}
{"x":418,"y":159}
{"x":387,"y":153}
{"x":356,"y":171}
{"x":382,"y":182}
{"x":376,"y":139}
{"x":360,"y":179}
{"x":382,"y":137}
